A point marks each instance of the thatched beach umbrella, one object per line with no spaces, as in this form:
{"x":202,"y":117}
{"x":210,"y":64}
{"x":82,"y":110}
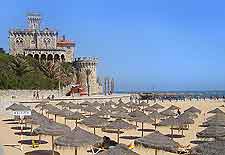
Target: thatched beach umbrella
{"x":155,"y":116}
{"x":143,"y":119}
{"x":72,"y":105}
{"x":54,"y":111}
{"x":65,"y":113}
{"x":85,"y":103}
{"x":62,"y":104}
{"x":184,"y":120}
{"x":212,"y":132}
{"x":158,"y":141}
{"x":120,"y":109}
{"x":171,"y":121}
{"x":168,"y":112}
{"x":77,"y":138}
{"x":94,"y":122}
{"x":119,"y":149}
{"x":17,"y":107}
{"x":136,"y":113}
{"x":120,"y":124}
{"x":120,"y":115}
{"x":149,"y":109}
{"x":90,"y":109}
{"x":52,"y":129}
{"x":193,"y":110}
{"x":217,"y":116}
{"x":157,"y":106}
{"x":75,"y":116}
{"x":217,"y":110}
{"x":173,"y":107}
{"x":209,"y":148}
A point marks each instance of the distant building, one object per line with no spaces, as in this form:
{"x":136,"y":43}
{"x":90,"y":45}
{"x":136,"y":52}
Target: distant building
{"x":42,"y":44}
{"x":45,"y":45}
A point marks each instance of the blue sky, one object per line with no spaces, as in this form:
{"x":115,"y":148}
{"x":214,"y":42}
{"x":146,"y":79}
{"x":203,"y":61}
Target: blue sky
{"x":145,"y":44}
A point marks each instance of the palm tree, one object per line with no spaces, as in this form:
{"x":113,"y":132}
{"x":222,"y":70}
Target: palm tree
{"x":88,"y":73}
{"x":20,"y":66}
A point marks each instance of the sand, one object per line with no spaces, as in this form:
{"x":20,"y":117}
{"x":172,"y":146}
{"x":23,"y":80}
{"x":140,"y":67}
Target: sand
{"x":8,"y":137}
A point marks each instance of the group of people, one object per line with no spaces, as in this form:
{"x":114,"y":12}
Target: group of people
{"x":36,"y":95}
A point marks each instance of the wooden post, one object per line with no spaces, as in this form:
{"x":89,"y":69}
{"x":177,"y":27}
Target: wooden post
{"x":118,"y":136}
{"x":53,"y":145}
{"x":142,"y":127}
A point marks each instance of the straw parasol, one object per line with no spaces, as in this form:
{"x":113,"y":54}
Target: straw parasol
{"x":136,"y":113}
{"x":158,"y":141}
{"x":17,"y":107}
{"x":212,"y":132}
{"x":173,"y":107}
{"x":75,"y":116}
{"x":193,"y":110}
{"x":209,"y":148}
{"x":72,"y":105}
{"x":54,"y":111}
{"x":185,"y":120}
{"x":157,"y":106}
{"x":120,"y":124}
{"x":168,"y":112}
{"x":156,"y":116}
{"x":119,"y":149}
{"x":94,"y":122}
{"x":90,"y":109}
{"x":217,"y":110}
{"x":64,"y":113}
{"x":171,"y":121}
{"x":149,"y":109}
{"x":120,"y":115}
{"x":77,"y":138}
{"x":53,"y":129}
{"x":85,"y":103}
{"x":143,"y":119}
{"x":120,"y":109}
{"x":62,"y":104}
{"x":217,"y":116}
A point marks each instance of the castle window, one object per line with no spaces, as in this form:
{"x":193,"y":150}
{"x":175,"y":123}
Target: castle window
{"x":47,"y":42}
{"x":19,"y":41}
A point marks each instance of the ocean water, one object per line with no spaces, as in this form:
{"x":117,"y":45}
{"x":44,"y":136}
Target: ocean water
{"x":193,"y":93}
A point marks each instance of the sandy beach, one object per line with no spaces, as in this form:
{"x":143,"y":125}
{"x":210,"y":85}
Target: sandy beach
{"x":9,"y":138}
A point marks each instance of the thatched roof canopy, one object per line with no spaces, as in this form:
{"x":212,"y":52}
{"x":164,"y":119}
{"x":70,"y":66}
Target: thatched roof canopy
{"x":72,"y":105}
{"x":17,"y":107}
{"x":90,"y":109}
{"x":217,"y":116}
{"x":119,"y":149}
{"x":94,"y":122}
{"x":120,"y":124}
{"x":85,"y":103}
{"x":155,"y":115}
{"x":75,"y":116}
{"x":62,"y":103}
{"x":149,"y":109}
{"x":168,"y":112}
{"x":209,"y":148}
{"x":157,"y":140}
{"x":171,"y":121}
{"x":136,"y":113}
{"x":157,"y":106}
{"x":65,"y":112}
{"x":77,"y":138}
{"x":212,"y":132}
{"x":52,"y":128}
{"x":143,"y":119}
{"x":121,"y":115}
{"x":173,"y":107}
{"x":193,"y":110}
{"x":217,"y":110}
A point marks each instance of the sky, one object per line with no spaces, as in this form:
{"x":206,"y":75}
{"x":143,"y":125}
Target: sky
{"x":144,"y":45}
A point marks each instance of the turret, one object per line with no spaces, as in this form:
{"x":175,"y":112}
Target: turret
{"x":34,"y":21}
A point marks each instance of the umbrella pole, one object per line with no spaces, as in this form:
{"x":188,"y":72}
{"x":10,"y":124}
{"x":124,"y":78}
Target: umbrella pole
{"x":94,"y":130}
{"x":182,"y":129}
{"x":76,"y":122}
{"x":172,"y":131}
{"x":53,"y":145}
{"x":155,"y":124}
{"x":142,"y":129}
{"x":65,"y":120}
{"x":75,"y":151}
{"x":55,"y":118}
{"x":156,"y":152}
{"x":118,"y":136}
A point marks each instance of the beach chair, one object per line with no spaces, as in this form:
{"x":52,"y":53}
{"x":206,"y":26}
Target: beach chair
{"x":34,"y":144}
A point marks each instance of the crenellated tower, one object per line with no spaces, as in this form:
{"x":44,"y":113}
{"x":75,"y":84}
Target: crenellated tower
{"x":85,"y":69}
{"x":34,"y":21}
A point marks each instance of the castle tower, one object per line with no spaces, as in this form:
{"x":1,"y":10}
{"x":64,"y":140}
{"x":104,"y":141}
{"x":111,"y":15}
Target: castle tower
{"x":34,"y":21}
{"x":85,"y":69}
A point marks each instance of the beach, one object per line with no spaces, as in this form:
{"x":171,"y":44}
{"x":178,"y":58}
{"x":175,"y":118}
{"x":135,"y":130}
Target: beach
{"x":9,"y":138}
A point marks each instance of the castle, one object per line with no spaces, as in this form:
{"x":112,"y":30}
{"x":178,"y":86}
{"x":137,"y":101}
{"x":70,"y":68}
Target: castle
{"x":45,"y":45}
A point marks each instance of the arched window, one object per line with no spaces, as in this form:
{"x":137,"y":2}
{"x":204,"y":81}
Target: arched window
{"x":19,"y":41}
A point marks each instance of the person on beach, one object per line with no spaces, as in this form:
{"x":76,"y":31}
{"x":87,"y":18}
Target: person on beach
{"x":178,"y":112}
{"x":37,"y":95}
{"x":34,"y":95}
